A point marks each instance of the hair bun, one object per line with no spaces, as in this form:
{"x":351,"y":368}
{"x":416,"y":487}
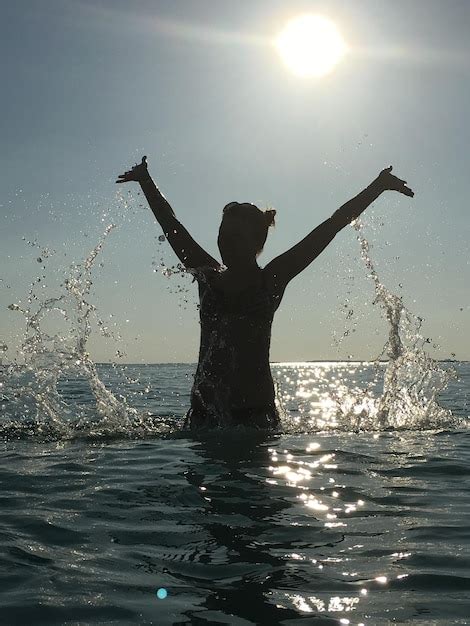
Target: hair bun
{"x":269,"y":215}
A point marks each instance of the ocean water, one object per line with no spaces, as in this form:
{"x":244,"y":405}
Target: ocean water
{"x":110,"y":514}
{"x":355,"y":512}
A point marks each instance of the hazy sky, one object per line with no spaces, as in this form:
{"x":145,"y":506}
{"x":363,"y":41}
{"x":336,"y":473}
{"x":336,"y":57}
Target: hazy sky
{"x":90,"y":86}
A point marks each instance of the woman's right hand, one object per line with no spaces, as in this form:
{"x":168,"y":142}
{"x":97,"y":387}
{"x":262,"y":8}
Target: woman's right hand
{"x":138,"y":173}
{"x":389,"y":181}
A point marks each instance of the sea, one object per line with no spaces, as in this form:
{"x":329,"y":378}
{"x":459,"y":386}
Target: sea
{"x":131,"y":520}
{"x":354,"y":512}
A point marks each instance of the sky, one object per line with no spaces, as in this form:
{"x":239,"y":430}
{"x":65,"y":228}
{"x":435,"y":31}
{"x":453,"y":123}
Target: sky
{"x":89,"y":87}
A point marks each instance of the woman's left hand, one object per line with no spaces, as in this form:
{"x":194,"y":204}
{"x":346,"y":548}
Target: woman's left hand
{"x":390,"y":182}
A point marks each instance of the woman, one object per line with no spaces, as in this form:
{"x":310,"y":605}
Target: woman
{"x":233,"y":383}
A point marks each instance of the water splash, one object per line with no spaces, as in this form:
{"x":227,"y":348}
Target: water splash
{"x":412,"y":380}
{"x":30,"y":388}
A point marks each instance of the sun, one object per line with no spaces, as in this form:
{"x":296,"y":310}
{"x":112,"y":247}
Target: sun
{"x":310,"y":45}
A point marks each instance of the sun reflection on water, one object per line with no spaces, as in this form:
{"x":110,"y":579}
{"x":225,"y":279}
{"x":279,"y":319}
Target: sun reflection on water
{"x":334,"y":604}
{"x":355,"y":396}
{"x":313,"y":475}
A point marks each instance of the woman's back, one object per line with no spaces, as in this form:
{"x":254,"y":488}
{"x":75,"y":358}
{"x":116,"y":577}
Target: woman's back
{"x":236,"y":315}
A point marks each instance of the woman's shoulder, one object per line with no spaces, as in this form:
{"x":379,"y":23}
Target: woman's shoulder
{"x":206,"y":273}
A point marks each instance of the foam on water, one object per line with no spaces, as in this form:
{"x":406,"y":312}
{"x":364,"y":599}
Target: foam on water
{"x":33,"y":406}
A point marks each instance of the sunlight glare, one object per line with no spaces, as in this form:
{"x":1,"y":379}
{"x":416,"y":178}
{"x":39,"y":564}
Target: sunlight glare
{"x":310,"y":45}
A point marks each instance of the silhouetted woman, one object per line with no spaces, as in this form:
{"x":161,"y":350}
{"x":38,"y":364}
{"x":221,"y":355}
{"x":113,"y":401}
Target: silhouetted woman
{"x":233,"y":383}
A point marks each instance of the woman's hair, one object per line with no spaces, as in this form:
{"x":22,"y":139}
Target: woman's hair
{"x":268,"y":220}
{"x":261,"y":220}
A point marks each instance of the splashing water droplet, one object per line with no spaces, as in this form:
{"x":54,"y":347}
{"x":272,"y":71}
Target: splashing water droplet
{"x":410,"y":379}
{"x":39,"y":409}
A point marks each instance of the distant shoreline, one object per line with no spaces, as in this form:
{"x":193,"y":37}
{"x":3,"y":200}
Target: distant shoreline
{"x":280,"y":362}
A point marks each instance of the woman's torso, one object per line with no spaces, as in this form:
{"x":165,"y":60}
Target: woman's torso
{"x":236,"y":315}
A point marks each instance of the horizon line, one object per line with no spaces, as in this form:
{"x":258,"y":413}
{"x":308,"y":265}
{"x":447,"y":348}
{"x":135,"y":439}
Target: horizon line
{"x":277,"y":362}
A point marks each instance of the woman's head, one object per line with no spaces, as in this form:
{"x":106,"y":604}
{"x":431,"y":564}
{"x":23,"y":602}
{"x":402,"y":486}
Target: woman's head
{"x":243,"y":231}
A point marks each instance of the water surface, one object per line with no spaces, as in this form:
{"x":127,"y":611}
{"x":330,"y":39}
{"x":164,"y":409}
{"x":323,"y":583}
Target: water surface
{"x":239,"y":527}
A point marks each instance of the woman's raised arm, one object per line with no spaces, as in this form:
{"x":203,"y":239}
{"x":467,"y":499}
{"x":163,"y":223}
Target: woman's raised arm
{"x":188,"y":251}
{"x":284,"y":267}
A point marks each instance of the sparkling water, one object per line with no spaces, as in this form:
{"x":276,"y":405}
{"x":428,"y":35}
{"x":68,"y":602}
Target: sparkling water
{"x":356,"y":513}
